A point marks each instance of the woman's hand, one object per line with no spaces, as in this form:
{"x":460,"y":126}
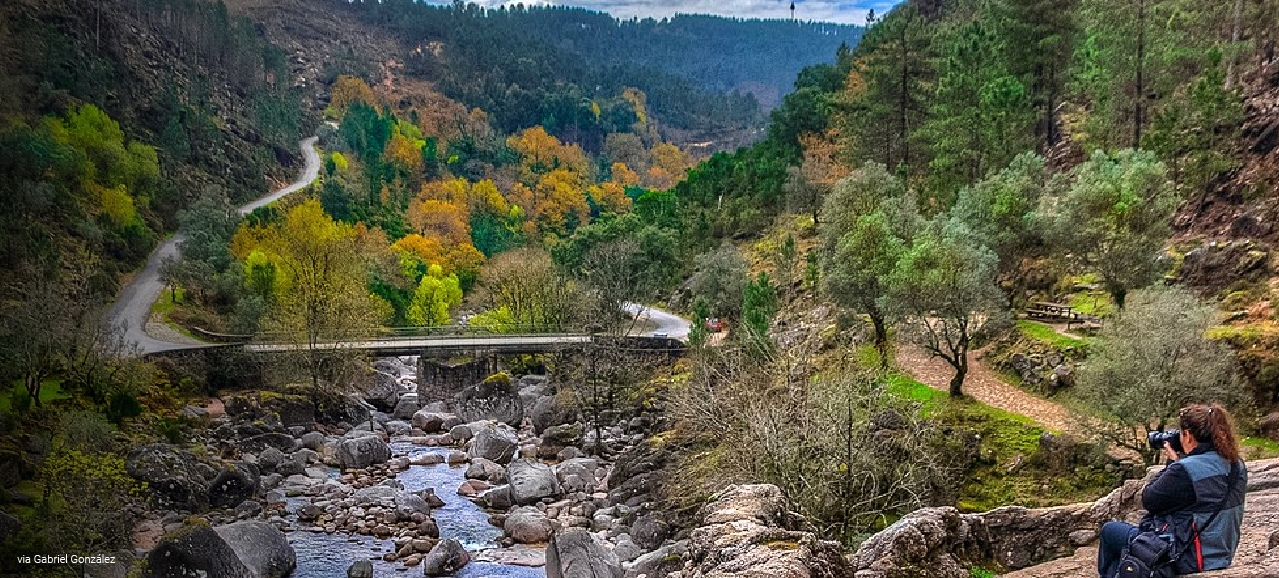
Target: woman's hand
{"x":1169,"y":453}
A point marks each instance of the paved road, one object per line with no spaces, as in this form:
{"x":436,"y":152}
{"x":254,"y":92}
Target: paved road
{"x":133,"y":306}
{"x":673,"y":326}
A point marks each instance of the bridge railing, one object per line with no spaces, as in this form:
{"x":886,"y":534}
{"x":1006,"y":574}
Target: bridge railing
{"x":403,"y":333}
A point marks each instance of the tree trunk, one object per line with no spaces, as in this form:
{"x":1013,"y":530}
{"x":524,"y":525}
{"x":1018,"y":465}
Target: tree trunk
{"x":1139,"y":106}
{"x":881,"y":338}
{"x":957,"y":382}
{"x":1236,"y":34}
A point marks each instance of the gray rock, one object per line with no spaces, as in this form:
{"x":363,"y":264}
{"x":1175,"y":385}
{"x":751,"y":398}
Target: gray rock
{"x":406,"y":406}
{"x":269,"y":458}
{"x":487,"y":470}
{"x":194,"y":550}
{"x":232,"y":486}
{"x":460,"y":433}
{"x":313,"y":441}
{"x":527,"y":525}
{"x":172,"y":476}
{"x":362,"y":452}
{"x":260,"y":547}
{"x":575,"y":553}
{"x":374,"y":494}
{"x":492,"y":442}
{"x":492,"y":399}
{"x":551,"y":410}
{"x":384,"y":392}
{"x":659,"y":562}
{"x":429,"y":422}
{"x":445,"y":558}
{"x":407,"y":504}
{"x":498,"y":498}
{"x":360,"y":569}
{"x":531,"y":481}
{"x":248,"y":509}
{"x":398,"y":428}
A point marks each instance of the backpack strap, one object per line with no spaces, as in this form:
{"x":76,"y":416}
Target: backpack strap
{"x":1231,"y":479}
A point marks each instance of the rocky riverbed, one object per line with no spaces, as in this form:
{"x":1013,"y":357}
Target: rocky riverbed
{"x":400,"y":486}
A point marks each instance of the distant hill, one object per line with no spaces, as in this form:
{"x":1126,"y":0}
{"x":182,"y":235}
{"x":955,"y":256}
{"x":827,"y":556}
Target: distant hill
{"x":761,"y":57}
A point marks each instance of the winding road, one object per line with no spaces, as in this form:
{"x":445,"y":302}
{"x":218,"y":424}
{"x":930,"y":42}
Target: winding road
{"x":133,"y":306}
{"x":667,"y":324}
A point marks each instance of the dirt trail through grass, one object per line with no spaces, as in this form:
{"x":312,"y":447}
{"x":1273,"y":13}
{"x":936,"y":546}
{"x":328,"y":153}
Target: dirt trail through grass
{"x":985,"y":385}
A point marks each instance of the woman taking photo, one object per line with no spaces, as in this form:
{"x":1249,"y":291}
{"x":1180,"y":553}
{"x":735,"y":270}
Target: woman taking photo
{"x":1196,"y":501}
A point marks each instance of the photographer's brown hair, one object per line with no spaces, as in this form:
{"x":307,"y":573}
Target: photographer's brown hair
{"x":1212,"y":423}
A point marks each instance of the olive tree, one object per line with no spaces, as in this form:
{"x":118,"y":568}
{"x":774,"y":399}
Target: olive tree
{"x":1114,"y":213}
{"x":719,"y":279}
{"x":1152,"y":359}
{"x":944,"y":293}
{"x":868,"y":222}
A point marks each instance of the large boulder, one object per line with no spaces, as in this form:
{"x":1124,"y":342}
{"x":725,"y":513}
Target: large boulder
{"x":406,"y":406}
{"x":429,"y":422}
{"x":575,"y":553}
{"x":233,"y":485}
{"x":528,"y":525}
{"x":384,"y":391}
{"x":194,"y":551}
{"x":362,"y":452}
{"x":260,"y":547}
{"x":259,"y":443}
{"x":447,"y":557}
{"x":360,"y":569}
{"x":553,"y":410}
{"x":531,"y":481}
{"x":495,"y":398}
{"x":493,"y":442}
{"x":750,"y":530}
{"x":172,"y":476}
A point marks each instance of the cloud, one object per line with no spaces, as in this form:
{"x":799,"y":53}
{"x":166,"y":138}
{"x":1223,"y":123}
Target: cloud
{"x":842,"y":11}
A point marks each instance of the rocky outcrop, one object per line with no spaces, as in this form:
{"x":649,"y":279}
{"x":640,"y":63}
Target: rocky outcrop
{"x":575,"y":553}
{"x":1051,"y":542}
{"x":260,"y":547}
{"x":383,"y":392}
{"x":493,"y":442}
{"x":750,"y":531}
{"x":495,"y":398}
{"x":362,"y":452}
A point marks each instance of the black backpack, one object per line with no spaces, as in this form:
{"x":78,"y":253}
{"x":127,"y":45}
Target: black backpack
{"x":1151,"y":554}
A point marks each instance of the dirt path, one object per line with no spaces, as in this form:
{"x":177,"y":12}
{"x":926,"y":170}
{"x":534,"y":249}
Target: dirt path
{"x":985,"y":385}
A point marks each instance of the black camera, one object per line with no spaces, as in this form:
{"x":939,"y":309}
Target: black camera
{"x":1171,"y":436}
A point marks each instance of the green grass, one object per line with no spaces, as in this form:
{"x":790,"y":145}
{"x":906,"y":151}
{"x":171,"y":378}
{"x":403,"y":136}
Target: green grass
{"x":1096,"y":303}
{"x":166,"y":303}
{"x":50,"y":390}
{"x":1046,"y":334}
{"x":1256,"y":448}
{"x":1004,"y":437}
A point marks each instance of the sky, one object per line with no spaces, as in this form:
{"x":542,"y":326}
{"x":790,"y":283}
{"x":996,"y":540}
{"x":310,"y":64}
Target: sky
{"x":843,"y":11}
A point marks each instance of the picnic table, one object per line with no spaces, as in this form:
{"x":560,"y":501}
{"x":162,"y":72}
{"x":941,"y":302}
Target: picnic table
{"x":1052,"y":311}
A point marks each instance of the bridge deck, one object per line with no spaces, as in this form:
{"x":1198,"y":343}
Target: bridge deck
{"x":391,"y":345}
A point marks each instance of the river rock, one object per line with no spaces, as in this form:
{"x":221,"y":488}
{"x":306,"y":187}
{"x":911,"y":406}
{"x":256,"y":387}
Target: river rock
{"x":575,"y":553}
{"x":429,"y":422}
{"x":269,"y":458}
{"x":362,"y":452}
{"x":498,"y":498}
{"x":397,"y":428}
{"x":360,"y":569}
{"x":313,"y":441}
{"x":232,"y":486}
{"x":384,"y":392}
{"x":171,"y":474}
{"x":494,"y":399}
{"x":460,"y":433}
{"x":531,"y":481}
{"x":260,"y":547}
{"x":528,"y":525}
{"x":259,"y":443}
{"x":487,"y":470}
{"x":406,"y":406}
{"x":407,"y":504}
{"x":194,"y":550}
{"x":445,"y":558}
{"x":493,"y":442}
{"x":552,"y":410}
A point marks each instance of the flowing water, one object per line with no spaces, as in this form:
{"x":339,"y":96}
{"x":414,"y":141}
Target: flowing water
{"x":323,"y":555}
